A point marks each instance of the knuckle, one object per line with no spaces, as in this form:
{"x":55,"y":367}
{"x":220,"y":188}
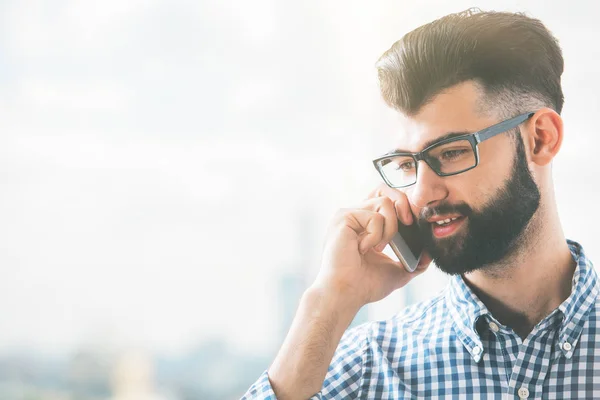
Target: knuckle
{"x":342,"y":216}
{"x":402,"y":203}
{"x":348,"y":214}
{"x":386,"y":206}
{"x":378,"y":219}
{"x":385,"y":201}
{"x":378,"y":203}
{"x":379,"y":191}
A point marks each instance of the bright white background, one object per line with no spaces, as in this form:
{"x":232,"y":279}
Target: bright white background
{"x":168,"y":169}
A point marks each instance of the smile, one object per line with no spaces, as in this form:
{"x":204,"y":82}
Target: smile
{"x":446,"y":227}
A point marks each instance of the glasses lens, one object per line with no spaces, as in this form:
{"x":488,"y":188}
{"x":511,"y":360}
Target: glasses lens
{"x":399,"y":170}
{"x":453,"y":157}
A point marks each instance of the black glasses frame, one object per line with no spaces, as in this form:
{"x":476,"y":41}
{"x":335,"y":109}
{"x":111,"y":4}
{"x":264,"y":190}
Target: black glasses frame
{"x":473,"y":138}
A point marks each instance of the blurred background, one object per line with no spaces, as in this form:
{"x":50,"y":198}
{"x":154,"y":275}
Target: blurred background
{"x":168,"y":170}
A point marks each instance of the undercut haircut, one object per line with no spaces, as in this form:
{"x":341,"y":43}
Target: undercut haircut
{"x":513,"y":58}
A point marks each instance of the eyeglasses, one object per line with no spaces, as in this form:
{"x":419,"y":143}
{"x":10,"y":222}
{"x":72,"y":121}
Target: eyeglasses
{"x":447,"y":157}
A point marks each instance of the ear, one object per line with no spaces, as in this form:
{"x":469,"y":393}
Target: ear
{"x":545,"y":130}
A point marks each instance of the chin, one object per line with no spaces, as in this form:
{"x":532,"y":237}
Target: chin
{"x":451,"y":244}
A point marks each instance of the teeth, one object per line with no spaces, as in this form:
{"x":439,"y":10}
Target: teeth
{"x":446,"y":221}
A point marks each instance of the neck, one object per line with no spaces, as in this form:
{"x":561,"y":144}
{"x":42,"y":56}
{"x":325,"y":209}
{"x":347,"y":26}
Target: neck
{"x":522,"y":289}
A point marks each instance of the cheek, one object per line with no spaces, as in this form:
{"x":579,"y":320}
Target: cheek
{"x":496,"y":158}
{"x":472,"y":188}
{"x":495,"y":166}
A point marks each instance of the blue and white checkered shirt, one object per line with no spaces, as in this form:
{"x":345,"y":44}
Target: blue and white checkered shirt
{"x":451,"y":347}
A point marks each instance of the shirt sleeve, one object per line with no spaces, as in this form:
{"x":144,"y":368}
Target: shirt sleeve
{"x":344,"y":376}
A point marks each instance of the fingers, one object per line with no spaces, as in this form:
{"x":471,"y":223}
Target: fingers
{"x":403,"y":210}
{"x":384,"y":190}
{"x":369,"y":225}
{"x":385,"y":207}
{"x":376,"y":219}
{"x":399,"y":199}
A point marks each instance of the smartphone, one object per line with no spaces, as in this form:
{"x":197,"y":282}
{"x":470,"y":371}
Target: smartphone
{"x":407,"y":246}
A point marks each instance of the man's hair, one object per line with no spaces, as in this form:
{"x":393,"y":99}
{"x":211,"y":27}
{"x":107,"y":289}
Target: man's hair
{"x":515,"y":60}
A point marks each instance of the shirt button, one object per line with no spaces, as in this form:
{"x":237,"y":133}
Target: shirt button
{"x":476,"y":350}
{"x":523,"y":393}
{"x":494,"y":327}
{"x":567,"y":346}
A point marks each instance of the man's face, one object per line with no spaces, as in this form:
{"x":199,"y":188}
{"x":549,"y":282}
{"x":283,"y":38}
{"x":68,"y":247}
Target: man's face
{"x":492,"y":203}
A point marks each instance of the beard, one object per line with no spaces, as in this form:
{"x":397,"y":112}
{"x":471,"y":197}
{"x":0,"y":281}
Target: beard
{"x":492,"y":233}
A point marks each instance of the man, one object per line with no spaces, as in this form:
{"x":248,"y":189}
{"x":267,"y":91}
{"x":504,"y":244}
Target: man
{"x":479,"y":98}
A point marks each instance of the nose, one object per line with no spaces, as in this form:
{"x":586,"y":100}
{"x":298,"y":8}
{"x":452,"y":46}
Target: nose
{"x":428,"y":189}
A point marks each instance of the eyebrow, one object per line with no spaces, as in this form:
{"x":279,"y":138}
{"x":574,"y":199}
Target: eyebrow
{"x":431,"y":142}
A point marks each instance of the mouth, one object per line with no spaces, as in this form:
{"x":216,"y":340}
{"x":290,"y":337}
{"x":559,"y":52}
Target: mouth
{"x":445,"y":227}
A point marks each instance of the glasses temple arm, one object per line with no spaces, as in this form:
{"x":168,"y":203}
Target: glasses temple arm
{"x":503,"y":126}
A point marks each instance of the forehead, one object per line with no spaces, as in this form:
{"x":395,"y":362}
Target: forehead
{"x":455,"y":110}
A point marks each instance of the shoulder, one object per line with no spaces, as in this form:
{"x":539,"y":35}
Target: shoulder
{"x":421,"y":321}
{"x":367,"y":349}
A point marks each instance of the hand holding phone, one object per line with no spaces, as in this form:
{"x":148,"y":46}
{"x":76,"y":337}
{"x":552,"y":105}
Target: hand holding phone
{"x":406,"y":243}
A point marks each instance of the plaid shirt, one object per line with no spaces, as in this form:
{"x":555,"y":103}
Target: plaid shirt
{"x":452,"y":347}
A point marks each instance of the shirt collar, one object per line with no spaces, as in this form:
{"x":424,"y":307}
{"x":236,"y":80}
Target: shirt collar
{"x":465,"y":307}
{"x":576,"y":308}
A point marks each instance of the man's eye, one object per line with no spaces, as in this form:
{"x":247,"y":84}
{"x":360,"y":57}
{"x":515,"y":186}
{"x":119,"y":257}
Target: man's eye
{"x":406,"y":166}
{"x":452,"y":154}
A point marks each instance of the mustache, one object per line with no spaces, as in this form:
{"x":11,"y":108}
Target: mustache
{"x":444,"y":208}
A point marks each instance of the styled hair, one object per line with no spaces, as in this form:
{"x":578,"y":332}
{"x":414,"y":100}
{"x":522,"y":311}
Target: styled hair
{"x":515,"y":60}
